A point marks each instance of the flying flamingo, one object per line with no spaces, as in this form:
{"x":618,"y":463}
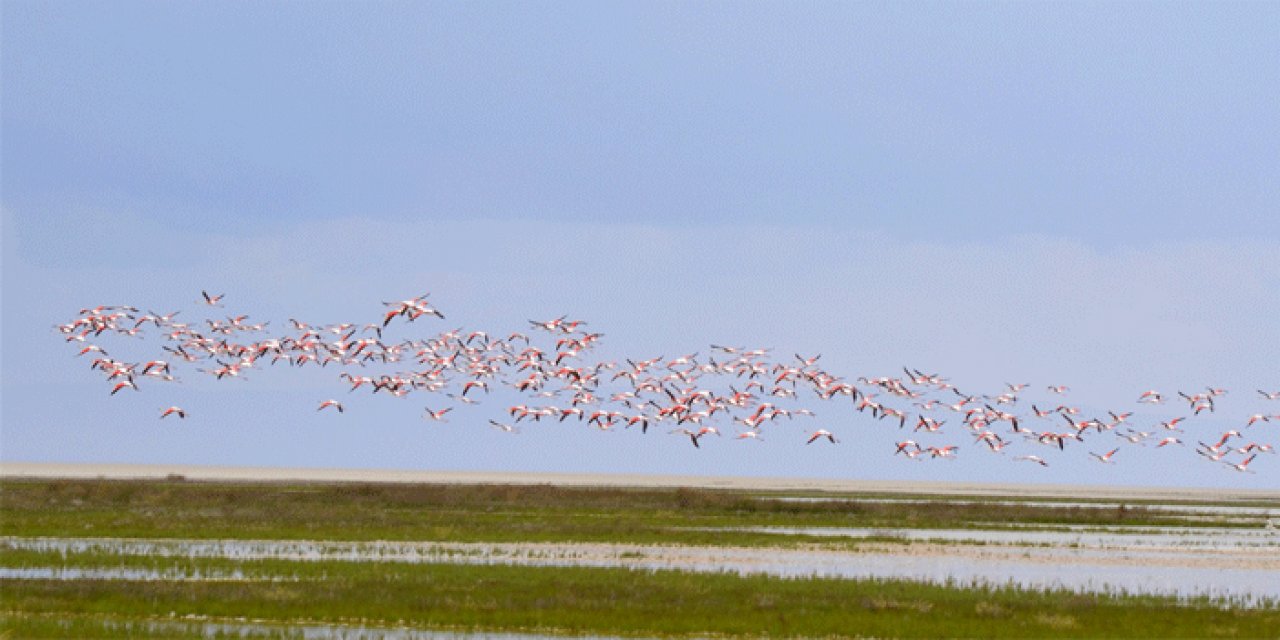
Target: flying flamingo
{"x":504,"y":427}
{"x":1216,"y":456}
{"x":821,"y":433}
{"x":437,"y":415}
{"x":330,"y":403}
{"x":123,"y":384}
{"x":473,"y":384}
{"x":1106,"y":457}
{"x":1151,"y":397}
{"x":1265,"y":448}
{"x":459,"y":361}
{"x":693,"y":436}
{"x":1243,"y":466}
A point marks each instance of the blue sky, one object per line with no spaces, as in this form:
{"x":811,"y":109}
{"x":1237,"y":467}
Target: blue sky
{"x":1075,"y":193}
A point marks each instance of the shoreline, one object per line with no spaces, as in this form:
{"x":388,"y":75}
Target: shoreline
{"x":121,"y":471}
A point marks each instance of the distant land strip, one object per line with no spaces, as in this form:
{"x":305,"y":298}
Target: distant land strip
{"x":120,"y":471}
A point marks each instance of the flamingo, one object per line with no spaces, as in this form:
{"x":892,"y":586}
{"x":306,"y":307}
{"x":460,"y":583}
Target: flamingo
{"x":548,"y":325}
{"x":122,"y":385}
{"x":459,"y":361}
{"x":437,"y":415}
{"x":1265,"y":448}
{"x":1225,"y":436}
{"x":1106,"y":457}
{"x":1151,"y":397}
{"x":808,"y":362}
{"x":1216,"y":456}
{"x":693,"y":436}
{"x":504,"y":427}
{"x":708,"y":430}
{"x":948,"y":451}
{"x":821,"y":433}
{"x":330,"y":403}
{"x":1136,"y":437}
{"x":929,"y":424}
{"x":1243,"y":466}
{"x":1256,"y":418}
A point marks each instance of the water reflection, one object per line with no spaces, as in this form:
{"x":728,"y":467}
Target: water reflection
{"x":190,"y":627}
{"x":1237,"y":565}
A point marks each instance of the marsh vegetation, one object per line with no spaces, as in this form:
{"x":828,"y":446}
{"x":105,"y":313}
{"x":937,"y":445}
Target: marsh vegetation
{"x":174,"y":558}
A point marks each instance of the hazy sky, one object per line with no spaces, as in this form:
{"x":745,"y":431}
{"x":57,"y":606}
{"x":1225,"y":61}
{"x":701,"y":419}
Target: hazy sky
{"x":1075,"y":193}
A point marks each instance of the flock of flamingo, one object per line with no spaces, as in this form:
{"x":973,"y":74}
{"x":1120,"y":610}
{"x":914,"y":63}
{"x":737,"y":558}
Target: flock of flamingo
{"x":747,"y":392}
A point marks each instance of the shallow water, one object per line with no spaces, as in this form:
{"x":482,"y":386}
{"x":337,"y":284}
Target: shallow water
{"x":123,"y":573}
{"x":1242,"y":568}
{"x":1069,"y":536}
{"x":1172,"y":508}
{"x":191,"y":626}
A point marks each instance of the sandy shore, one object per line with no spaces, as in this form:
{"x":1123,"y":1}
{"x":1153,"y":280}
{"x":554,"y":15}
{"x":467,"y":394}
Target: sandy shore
{"x":276,"y":474}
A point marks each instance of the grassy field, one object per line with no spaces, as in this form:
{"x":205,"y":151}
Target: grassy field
{"x":489,"y":513}
{"x":579,"y":600}
{"x":539,"y":600}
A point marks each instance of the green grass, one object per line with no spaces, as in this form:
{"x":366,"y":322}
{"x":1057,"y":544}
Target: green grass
{"x":544,"y":600}
{"x":488,"y":513}
{"x":577,"y":600}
